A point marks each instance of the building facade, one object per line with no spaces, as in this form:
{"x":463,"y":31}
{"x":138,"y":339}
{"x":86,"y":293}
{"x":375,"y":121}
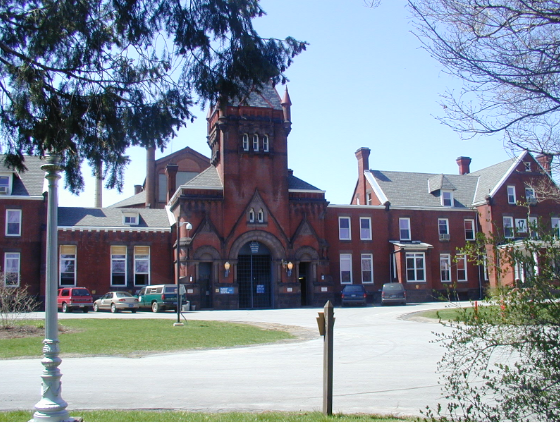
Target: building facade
{"x":239,"y":230}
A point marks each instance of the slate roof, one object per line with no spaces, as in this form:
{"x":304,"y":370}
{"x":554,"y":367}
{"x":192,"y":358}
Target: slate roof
{"x":267,"y":97}
{"x":136,"y":200}
{"x":298,"y":184}
{"x":207,"y":179}
{"x":28,"y":183}
{"x":409,"y":189}
{"x":84,"y":217}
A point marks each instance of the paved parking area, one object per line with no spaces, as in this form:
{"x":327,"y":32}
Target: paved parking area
{"x":384,"y":362}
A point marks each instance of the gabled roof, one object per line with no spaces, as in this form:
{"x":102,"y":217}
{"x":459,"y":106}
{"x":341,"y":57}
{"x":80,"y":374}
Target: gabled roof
{"x":207,"y":179}
{"x":493,"y":177}
{"x":32,"y":182}
{"x":111,"y":218}
{"x":297,"y":184}
{"x":440,"y":182}
{"x":136,"y":200}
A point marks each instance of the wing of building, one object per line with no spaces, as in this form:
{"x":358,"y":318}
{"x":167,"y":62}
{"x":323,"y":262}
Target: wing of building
{"x":239,"y":230}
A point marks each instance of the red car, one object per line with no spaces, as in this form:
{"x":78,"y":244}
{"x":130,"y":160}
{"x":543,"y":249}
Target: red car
{"x":74,"y":298}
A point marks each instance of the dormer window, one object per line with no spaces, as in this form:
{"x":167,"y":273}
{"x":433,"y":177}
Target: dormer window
{"x":245,"y":142}
{"x":5,"y":184}
{"x":251,"y":215}
{"x":255,"y":142}
{"x":130,"y":218}
{"x":261,"y":216}
{"x":266,"y":145}
{"x":527,"y":166}
{"x":447,"y":198}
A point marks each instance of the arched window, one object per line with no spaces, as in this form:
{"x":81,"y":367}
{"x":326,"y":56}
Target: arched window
{"x":265,"y":144}
{"x":255,"y":142}
{"x":261,"y":216}
{"x":245,"y":142}
{"x":251,"y":215}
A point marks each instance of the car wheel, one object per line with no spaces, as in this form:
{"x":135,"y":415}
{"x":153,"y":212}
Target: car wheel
{"x":85,"y":310}
{"x":65,"y":308}
{"x":113,"y":308}
{"x":155,"y":307}
{"x":133,"y":311}
{"x":95,"y":307}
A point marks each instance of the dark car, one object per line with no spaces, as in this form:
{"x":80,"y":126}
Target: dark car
{"x":354,"y":294}
{"x":393,"y":292}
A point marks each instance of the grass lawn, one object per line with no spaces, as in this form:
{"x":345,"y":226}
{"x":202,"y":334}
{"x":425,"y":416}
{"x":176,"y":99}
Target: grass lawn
{"x":183,"y":416}
{"x":136,"y":337}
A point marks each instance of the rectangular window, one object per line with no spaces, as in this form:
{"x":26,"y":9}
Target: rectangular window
{"x":404,"y":229}
{"x":533,"y":227}
{"x":367,"y":268}
{"x":266,"y":146}
{"x":511,"y":195}
{"x":508,"y":227}
{"x":445,"y":267}
{"x":469,"y":230}
{"x":141,"y":266}
{"x":443,"y":228}
{"x":530,"y":195}
{"x":245,"y":142}
{"x":415,"y":267}
{"x":11,"y":269}
{"x":255,"y":142}
{"x":447,"y":198}
{"x":346,"y":268}
{"x":13,"y":222}
{"x":67,"y":265}
{"x":555,"y":221}
{"x":344,"y":228}
{"x":365,"y":228}
{"x":4,"y":185}
{"x":461,"y":267}
{"x":118,"y":265}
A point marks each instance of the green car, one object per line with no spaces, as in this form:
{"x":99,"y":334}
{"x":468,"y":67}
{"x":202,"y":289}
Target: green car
{"x":159,"y":297}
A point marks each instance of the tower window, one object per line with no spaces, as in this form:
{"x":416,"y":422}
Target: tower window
{"x":266,"y":145}
{"x":245,"y":142}
{"x":255,"y":142}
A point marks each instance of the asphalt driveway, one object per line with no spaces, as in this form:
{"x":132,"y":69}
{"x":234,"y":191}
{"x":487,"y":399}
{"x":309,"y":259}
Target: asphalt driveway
{"x":384,"y":362}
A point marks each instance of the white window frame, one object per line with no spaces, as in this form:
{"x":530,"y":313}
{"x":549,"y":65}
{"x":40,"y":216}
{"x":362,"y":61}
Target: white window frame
{"x":346,"y":269}
{"x":527,"y":166}
{"x":12,"y":265}
{"x":366,"y":264}
{"x":404,"y":225}
{"x":445,"y":266}
{"x":266,"y":143}
{"x":251,"y":216}
{"x":555,"y":222}
{"x":530,"y":195}
{"x":447,"y":198}
{"x":508,"y":224}
{"x":416,"y":258}
{"x":255,"y":142}
{"x":142,"y":264}
{"x":5,"y":188}
{"x":443,"y":223}
{"x":471,"y":222}
{"x":132,"y":219}
{"x":511,"y":197}
{"x":260,"y":216}
{"x":245,"y":142}
{"x":344,"y":234}
{"x":67,"y":264}
{"x":10,"y":213}
{"x":462,"y":274}
{"x":118,"y":257}
{"x":365,"y":233}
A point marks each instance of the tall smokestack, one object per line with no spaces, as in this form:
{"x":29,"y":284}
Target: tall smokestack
{"x":98,"y":196}
{"x":150,"y":177}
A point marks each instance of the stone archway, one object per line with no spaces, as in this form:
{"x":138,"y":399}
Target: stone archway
{"x":206,"y":260}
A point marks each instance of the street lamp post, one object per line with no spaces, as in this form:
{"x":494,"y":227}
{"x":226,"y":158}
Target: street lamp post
{"x":51,"y":407}
{"x":189,"y":227}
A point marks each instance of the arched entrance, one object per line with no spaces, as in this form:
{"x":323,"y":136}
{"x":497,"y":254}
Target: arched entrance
{"x":254,"y":275}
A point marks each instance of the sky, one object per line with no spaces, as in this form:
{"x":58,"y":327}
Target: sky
{"x":364,"y":81}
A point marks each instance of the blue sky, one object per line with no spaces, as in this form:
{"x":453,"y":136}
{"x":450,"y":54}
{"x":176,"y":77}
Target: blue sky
{"x":364,"y":81}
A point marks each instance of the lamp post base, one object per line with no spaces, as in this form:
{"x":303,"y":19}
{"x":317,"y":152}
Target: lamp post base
{"x":178,"y":324}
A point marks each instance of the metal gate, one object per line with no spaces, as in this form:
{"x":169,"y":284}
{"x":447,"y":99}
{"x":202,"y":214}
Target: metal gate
{"x":254,"y":276}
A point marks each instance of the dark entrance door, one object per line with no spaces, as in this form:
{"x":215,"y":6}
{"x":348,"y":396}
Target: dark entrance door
{"x":254,"y":276}
{"x":205,"y":277}
{"x":303,"y":272}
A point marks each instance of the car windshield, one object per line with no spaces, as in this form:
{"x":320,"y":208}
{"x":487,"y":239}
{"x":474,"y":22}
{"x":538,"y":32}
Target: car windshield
{"x":170,"y":290}
{"x":393,"y":287}
{"x":122,"y":294}
{"x":353,"y":288}
{"x":80,"y":292}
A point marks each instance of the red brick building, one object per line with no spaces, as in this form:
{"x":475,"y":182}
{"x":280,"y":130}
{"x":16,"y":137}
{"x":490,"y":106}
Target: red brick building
{"x":260,"y":237}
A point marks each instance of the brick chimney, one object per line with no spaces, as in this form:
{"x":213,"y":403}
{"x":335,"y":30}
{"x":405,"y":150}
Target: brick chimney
{"x":137,"y":189}
{"x":171,"y":172}
{"x":464,"y":165}
{"x":362,"y":154}
{"x":545,"y":161}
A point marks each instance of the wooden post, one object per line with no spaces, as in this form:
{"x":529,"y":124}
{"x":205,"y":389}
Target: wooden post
{"x":328,"y":359}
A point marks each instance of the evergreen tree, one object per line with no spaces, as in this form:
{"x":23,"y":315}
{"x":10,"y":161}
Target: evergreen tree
{"x":88,"y":78}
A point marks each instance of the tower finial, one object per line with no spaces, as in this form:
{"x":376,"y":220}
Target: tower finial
{"x":286,"y":106}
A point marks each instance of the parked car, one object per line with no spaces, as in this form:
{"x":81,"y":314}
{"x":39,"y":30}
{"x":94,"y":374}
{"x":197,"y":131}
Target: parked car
{"x":159,"y":297}
{"x":74,"y":298}
{"x":354,"y":294}
{"x":116,"y":301}
{"x":393,"y":292}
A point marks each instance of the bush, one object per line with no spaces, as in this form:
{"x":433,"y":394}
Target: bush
{"x":14,"y":302}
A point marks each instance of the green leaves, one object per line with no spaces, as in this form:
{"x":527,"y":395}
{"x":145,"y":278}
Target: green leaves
{"x":88,"y":78}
